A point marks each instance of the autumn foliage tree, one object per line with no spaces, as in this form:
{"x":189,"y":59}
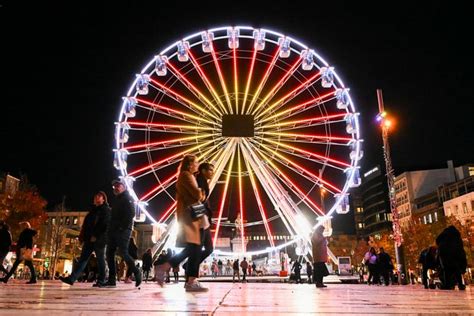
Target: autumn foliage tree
{"x":25,"y":205}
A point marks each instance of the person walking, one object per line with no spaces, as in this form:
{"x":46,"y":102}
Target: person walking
{"x":309,"y":272}
{"x":220,"y":265}
{"x":428,"y":261}
{"x":320,"y":256}
{"x":204,"y":175}
{"x":296,"y":268}
{"x":189,"y":235}
{"x":120,"y":231}
{"x":254,"y":268}
{"x":24,"y":252}
{"x":370,"y":260}
{"x":452,"y":258}
{"x":228,"y":267}
{"x":244,"y":265}
{"x":384,"y":265}
{"x":133,"y":252}
{"x":176,"y":274}
{"x":236,"y":270}
{"x":92,"y":237}
{"x":147,"y":262}
{"x":5,"y":244}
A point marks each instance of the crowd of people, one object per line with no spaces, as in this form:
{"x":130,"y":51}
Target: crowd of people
{"x":107,"y":231}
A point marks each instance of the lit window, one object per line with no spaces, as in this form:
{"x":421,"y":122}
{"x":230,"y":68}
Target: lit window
{"x":360,"y":225}
{"x":53,"y":220}
{"x":424,"y":219}
{"x":68,"y":220}
{"x":75,"y":220}
{"x":464,"y":207}
{"x":430,"y":218}
{"x":436,"y":216}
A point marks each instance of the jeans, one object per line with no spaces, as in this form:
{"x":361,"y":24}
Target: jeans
{"x":87,"y":250}
{"x":193,"y":253}
{"x":206,"y":242}
{"x":3,"y":255}
{"x":119,"y":240}
{"x":28,"y":263}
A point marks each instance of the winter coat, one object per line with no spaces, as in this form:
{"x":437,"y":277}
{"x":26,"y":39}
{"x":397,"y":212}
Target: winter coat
{"x":451,"y":251}
{"x":5,"y":240}
{"x":26,"y":238}
{"x":384,"y":261}
{"x":187,"y":193}
{"x":202,"y":184}
{"x":147,"y":260}
{"x":95,"y":224}
{"x":244,"y":265}
{"x":133,"y":250}
{"x":320,"y":250}
{"x":123,"y":212}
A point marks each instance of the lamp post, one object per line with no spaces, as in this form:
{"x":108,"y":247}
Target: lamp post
{"x":386,"y":124}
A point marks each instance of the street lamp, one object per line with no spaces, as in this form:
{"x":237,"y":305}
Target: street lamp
{"x":386,"y":124}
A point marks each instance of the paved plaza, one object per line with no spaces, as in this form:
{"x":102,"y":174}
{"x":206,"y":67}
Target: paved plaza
{"x":54,"y":298}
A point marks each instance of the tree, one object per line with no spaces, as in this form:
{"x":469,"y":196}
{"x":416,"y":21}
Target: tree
{"x":25,"y":205}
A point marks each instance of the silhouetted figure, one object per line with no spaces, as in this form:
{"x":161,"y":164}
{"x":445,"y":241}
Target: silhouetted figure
{"x":147,"y":262}
{"x":296,"y":268}
{"x":5,"y":244}
{"x":428,"y":261}
{"x":452,"y":258}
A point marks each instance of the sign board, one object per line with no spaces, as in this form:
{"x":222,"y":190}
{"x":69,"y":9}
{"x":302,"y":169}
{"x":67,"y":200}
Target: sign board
{"x":344,"y":265}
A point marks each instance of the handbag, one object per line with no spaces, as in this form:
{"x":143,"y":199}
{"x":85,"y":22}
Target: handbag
{"x":197,"y":210}
{"x":27,"y":254}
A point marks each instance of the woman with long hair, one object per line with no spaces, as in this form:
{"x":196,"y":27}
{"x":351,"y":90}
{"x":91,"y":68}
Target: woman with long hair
{"x":189,"y":237}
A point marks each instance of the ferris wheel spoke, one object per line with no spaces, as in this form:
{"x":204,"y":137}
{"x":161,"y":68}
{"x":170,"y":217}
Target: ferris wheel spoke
{"x":261,"y":208}
{"x":184,"y":141}
{"x":162,"y":186}
{"x":305,"y":153}
{"x":299,"y":108}
{"x":241,"y":200}
{"x":307,"y":122}
{"x":264,"y":80}
{"x":221,"y":79}
{"x":301,"y":169}
{"x":236,"y":80}
{"x":168,"y":111}
{"x":207,"y":82}
{"x":308,"y":138}
{"x":290,"y":95}
{"x":193,"y":106}
{"x":194,"y":90}
{"x":249,"y":78}
{"x":168,"y":213}
{"x":290,"y":184}
{"x":223,"y":199}
{"x":273,"y":91}
{"x":273,"y":189}
{"x":170,"y":128}
{"x":169,"y":158}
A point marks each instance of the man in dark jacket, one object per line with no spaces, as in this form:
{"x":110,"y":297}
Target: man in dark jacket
{"x":428,"y":260}
{"x":5,"y":243}
{"x":452,"y":258}
{"x":93,"y":234}
{"x":25,"y":241}
{"x":205,"y":174}
{"x":384,"y":265}
{"x":147,"y":262}
{"x":120,"y":231}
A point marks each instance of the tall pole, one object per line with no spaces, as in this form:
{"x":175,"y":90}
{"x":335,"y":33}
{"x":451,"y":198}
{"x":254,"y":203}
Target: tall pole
{"x":397,"y":234}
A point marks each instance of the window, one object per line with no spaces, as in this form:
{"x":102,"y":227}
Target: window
{"x":430,"y":218}
{"x":456,"y":209}
{"x":377,"y":217}
{"x":74,"y":222}
{"x":436,"y":216}
{"x":68,"y":221}
{"x":359,"y":210}
{"x":448,"y":211}
{"x":424,"y":219}
{"x":53,"y":220}
{"x":360,"y":225}
{"x":464,"y":207}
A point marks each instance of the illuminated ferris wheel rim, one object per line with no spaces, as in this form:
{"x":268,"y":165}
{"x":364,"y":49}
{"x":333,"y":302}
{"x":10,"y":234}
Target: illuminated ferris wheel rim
{"x":297,"y":47}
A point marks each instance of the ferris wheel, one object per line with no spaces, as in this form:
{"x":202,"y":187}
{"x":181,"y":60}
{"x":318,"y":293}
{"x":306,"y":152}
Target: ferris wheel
{"x":271,"y":115}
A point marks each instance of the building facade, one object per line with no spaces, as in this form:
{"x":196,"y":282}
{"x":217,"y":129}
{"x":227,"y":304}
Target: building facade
{"x":462,"y":207}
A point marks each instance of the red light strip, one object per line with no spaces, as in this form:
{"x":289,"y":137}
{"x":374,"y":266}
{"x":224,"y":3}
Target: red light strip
{"x":241,"y":203}
{"x":294,"y":185}
{"x":309,"y":136}
{"x":311,"y":119}
{"x":179,"y":96}
{"x":249,"y":78}
{"x":301,"y":168}
{"x":221,"y":79}
{"x":168,"y":211}
{"x":297,"y":107}
{"x":206,"y":81}
{"x":160,"y":186}
{"x":168,"y":109}
{"x":264,"y":79}
{"x":294,"y":91}
{"x":260,"y":206}
{"x":221,"y":208}
{"x":309,"y":153}
{"x":196,"y":90}
{"x":166,"y":142}
{"x":236,"y":81}
{"x":170,"y":126}
{"x":151,"y":166}
{"x":278,"y":85}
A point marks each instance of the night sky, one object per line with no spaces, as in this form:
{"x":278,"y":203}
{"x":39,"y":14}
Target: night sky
{"x":65,"y":69}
